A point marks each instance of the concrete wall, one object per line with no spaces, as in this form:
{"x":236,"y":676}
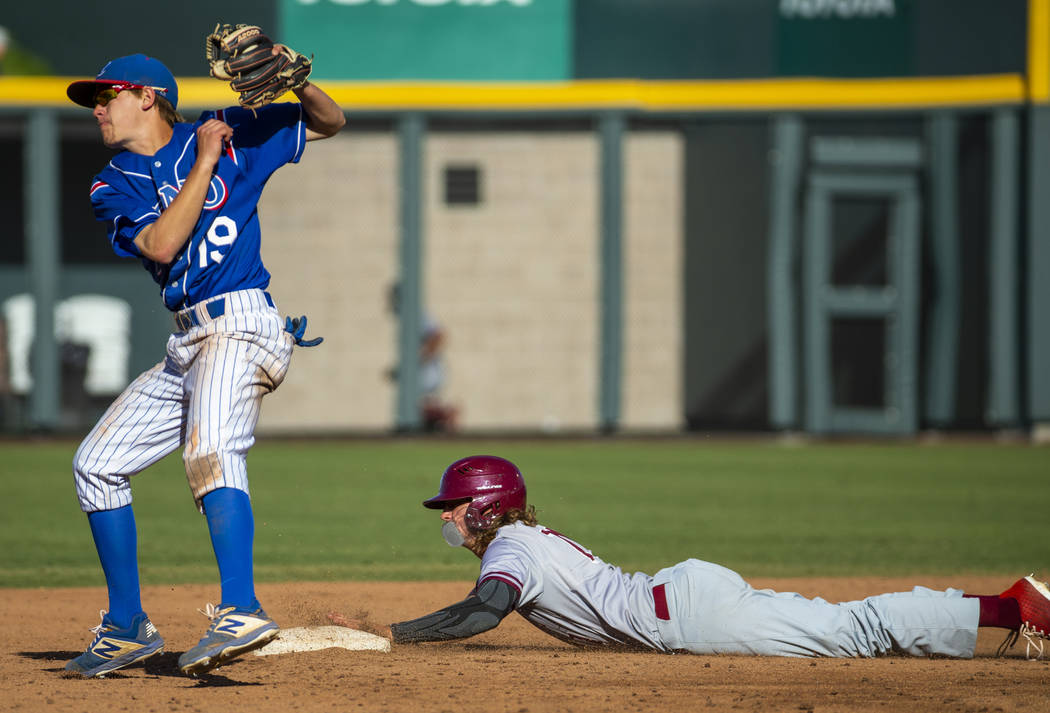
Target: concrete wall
{"x":654,"y":245}
{"x":330,"y":241}
{"x":514,"y":280}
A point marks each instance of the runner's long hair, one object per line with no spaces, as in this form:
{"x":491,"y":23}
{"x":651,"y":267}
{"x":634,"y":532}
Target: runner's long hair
{"x":483,"y":539}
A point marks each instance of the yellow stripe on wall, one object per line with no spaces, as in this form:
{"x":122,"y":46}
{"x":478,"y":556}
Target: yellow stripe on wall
{"x":653,"y":96}
{"x":835,"y":93}
{"x":1039,"y":50}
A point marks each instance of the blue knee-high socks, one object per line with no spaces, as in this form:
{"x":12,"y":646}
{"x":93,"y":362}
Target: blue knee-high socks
{"x":232,"y":528}
{"x":117,"y":545}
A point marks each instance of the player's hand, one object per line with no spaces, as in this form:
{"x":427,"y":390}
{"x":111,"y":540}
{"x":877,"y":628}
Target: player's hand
{"x":342,"y":620}
{"x":212,"y":138}
{"x":359,"y":623}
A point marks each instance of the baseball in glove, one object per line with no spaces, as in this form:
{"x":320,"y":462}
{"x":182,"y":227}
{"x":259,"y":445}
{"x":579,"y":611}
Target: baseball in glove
{"x":245,"y":57}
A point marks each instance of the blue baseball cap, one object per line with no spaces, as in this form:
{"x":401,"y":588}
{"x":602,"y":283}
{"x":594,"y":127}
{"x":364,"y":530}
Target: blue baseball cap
{"x":134,"y":71}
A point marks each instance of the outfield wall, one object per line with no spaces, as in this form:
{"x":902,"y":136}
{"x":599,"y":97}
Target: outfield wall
{"x":513,"y":281}
{"x":670,"y":231}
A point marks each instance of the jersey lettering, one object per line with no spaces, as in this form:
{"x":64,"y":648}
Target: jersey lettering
{"x":577,"y":547}
{"x":216,"y":198}
{"x":217,"y":194}
{"x":223,"y":231}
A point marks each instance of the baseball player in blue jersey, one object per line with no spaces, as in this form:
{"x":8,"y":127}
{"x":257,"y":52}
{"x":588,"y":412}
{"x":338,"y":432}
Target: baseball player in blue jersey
{"x":181,"y":198}
{"x":567,"y":591}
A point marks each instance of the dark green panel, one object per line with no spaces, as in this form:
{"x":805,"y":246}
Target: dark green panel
{"x":727,"y":184}
{"x":77,"y":38}
{"x":971,"y":37}
{"x":654,"y":39}
{"x":973,"y":240}
{"x":732,"y":39}
{"x":872,"y":40}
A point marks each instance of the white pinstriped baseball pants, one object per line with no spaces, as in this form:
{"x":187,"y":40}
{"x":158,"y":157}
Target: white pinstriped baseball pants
{"x":206,"y":394}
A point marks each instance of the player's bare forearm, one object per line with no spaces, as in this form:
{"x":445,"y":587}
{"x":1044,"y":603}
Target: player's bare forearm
{"x":324,"y":117}
{"x":162,"y":241}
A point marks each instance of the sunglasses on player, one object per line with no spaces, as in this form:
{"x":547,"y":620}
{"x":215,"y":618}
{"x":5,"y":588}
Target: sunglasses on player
{"x":105,"y":96}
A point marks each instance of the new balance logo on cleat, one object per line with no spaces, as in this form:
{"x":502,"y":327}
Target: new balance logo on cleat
{"x":114,"y":648}
{"x":240,"y":625}
{"x":230,"y":626}
{"x":232,"y":632}
{"x":108,"y":648}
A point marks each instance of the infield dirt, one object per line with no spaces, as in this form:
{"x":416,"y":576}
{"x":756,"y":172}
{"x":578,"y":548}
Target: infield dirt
{"x":513,"y":669}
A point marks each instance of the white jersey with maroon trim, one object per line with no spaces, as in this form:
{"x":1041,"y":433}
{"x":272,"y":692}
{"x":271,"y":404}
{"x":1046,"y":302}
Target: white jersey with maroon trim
{"x":568,"y":592}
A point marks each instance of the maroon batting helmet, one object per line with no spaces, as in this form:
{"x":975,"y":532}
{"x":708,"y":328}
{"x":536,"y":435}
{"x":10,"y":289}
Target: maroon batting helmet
{"x":491,"y":485}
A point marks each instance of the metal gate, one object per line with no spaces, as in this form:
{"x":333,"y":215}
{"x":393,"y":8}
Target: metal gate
{"x":861,"y":286}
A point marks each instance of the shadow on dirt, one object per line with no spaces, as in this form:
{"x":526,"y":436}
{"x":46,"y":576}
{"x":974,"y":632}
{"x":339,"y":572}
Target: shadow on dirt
{"x":163,"y":664}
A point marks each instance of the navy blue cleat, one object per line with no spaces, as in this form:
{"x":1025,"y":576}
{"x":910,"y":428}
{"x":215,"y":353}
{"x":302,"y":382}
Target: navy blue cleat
{"x":233,"y":631}
{"x":114,"y":648}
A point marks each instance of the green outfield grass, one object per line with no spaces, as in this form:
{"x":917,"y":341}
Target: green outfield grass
{"x":332,"y":510}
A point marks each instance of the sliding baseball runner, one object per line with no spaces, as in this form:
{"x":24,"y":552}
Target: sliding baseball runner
{"x":698,"y":607}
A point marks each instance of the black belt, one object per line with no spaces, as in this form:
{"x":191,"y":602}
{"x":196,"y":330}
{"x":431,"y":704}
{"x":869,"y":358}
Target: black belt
{"x":187,"y":318}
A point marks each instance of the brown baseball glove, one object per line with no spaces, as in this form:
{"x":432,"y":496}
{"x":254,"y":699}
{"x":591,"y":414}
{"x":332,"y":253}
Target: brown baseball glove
{"x":258,"y":69}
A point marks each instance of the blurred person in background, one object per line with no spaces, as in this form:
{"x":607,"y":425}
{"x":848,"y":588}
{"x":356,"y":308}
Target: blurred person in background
{"x":437,"y":414}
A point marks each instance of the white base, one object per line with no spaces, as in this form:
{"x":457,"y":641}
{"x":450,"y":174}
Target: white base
{"x":315,"y":638}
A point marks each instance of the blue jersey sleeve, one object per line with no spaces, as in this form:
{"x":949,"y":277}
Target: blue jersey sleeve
{"x":124,"y":215}
{"x":271,"y":137}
